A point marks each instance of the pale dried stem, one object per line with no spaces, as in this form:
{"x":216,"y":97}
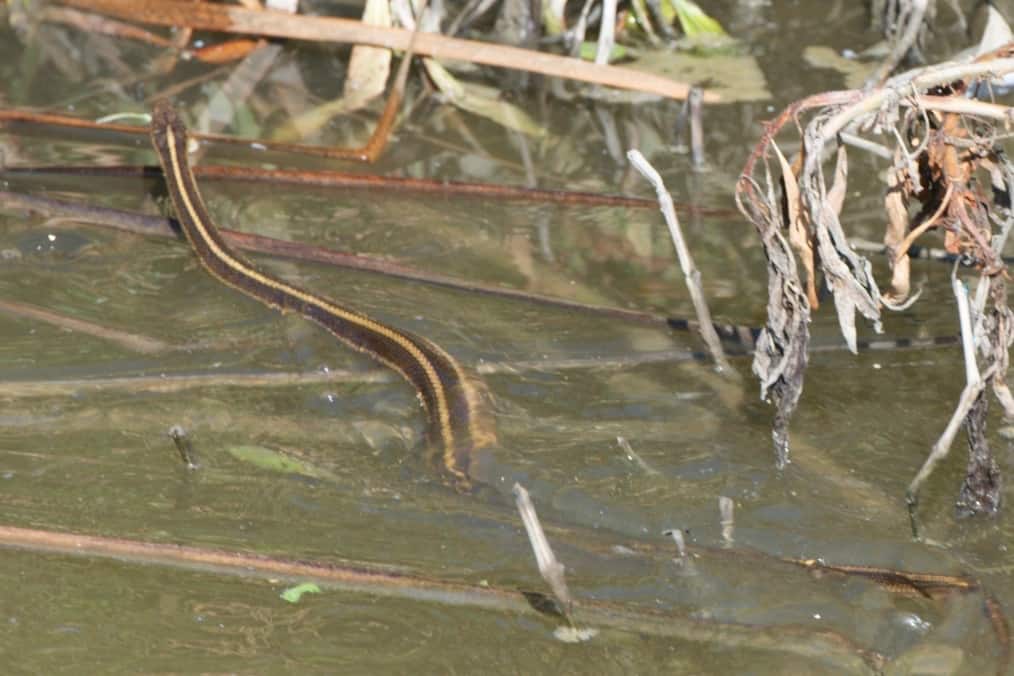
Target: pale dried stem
{"x":972,"y":375}
{"x":607,"y":28}
{"x":878,"y":149}
{"x":726,"y":510}
{"x":917,"y":80}
{"x":962,"y":106}
{"x":690,"y":272}
{"x":550,"y":568}
{"x":696,"y":129}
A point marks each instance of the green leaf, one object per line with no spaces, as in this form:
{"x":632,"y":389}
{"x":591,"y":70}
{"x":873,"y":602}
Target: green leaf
{"x":588,"y":50}
{"x":694,"y":21}
{"x":552,"y":17}
{"x":293,"y":594}
{"x":275,"y":461}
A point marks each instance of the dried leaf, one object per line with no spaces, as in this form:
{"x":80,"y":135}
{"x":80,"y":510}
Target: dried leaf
{"x":849,"y":275}
{"x":845,"y":306}
{"x":781,"y":354}
{"x":839,"y":186}
{"x":228,"y":104}
{"x":799,"y":231}
{"x":369,"y":66}
{"x":996,"y":34}
{"x":897,"y":227}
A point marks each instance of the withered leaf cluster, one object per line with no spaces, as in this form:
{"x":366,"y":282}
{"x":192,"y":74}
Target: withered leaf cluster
{"x":947,"y":177}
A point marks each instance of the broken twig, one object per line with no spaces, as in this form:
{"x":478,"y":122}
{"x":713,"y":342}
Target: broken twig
{"x":549,"y":567}
{"x":690,"y":272}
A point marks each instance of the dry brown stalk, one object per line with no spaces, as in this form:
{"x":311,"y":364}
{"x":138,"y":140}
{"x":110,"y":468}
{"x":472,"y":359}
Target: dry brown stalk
{"x":231,"y":19}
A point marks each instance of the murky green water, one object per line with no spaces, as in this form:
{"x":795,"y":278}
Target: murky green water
{"x":98,"y":461}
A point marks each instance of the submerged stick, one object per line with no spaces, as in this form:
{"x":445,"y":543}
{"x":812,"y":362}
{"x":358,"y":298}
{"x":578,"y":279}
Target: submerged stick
{"x":824,"y":645}
{"x":166,"y":227}
{"x":739,"y":337}
{"x":324,"y":178}
{"x":179,"y":382}
{"x":130,"y":341}
{"x":632,"y":456}
{"x":183,"y":381}
{"x":697,"y":159}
